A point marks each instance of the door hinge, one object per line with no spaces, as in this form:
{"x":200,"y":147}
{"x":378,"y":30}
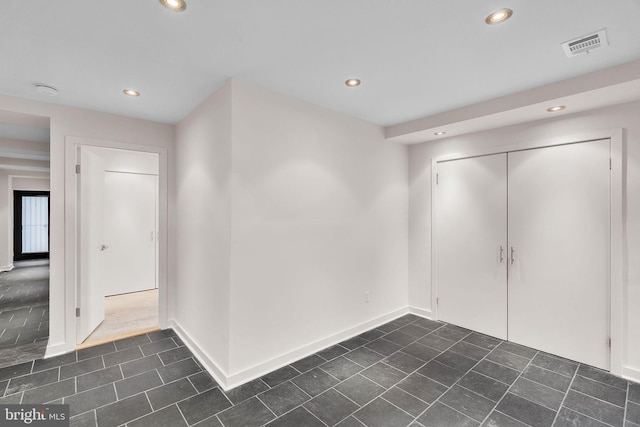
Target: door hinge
{"x":437,"y":178}
{"x":609,"y":342}
{"x":78,"y":312}
{"x":437,"y":301}
{"x":77,"y":169}
{"x":610,"y":163}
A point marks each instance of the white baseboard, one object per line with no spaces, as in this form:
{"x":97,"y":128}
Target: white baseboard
{"x":6,"y":267}
{"x":216,"y":372}
{"x":632,"y":374}
{"x":58,"y":349}
{"x":229,"y":381}
{"x":422,"y":312}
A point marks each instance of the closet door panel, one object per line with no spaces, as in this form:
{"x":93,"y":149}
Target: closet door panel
{"x":559,"y":228}
{"x":471,"y":228}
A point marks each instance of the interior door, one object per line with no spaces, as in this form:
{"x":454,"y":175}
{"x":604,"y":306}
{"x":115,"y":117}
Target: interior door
{"x":130,"y":225}
{"x":471,"y":243}
{"x":91,"y":287}
{"x":559,"y":228}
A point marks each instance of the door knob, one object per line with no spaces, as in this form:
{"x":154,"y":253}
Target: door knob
{"x":103,"y":247}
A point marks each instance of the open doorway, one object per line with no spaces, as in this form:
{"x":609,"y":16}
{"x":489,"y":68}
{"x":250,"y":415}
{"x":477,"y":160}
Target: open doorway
{"x":118,"y":219}
{"x":24,"y":269}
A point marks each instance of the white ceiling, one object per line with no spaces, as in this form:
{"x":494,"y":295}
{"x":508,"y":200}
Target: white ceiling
{"x":416,"y":58}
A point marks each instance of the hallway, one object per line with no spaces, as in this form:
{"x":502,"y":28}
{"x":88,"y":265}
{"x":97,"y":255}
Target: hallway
{"x":24,"y":312}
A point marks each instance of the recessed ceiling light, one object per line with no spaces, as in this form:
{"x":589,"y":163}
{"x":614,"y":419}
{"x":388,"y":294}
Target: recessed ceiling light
{"x":439,"y":133}
{"x":498,"y":16}
{"x":556,"y":108}
{"x":131,"y":92}
{"x":46,"y":90}
{"x":175,"y":5}
{"x":353,"y":82}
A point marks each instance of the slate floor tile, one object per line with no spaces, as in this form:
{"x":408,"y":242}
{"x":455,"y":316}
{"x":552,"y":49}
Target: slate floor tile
{"x":138,"y":366}
{"x":507,"y":359}
{"x":483,"y":385}
{"x":633,"y":413}
{"x":548,"y":378}
{"x":428,"y":324}
{"x":439,"y":415}
{"x":405,"y":401}
{"x":170,"y":393}
{"x":602,"y":377}
{"x":634,"y":392}
{"x":555,"y":364}
{"x":331,"y":407}
{"x":421,"y":352}
{"x":123,"y":411}
{"x":537,"y":393}
{"x":315,"y":382}
{"x":246,"y":391}
{"x":297,"y":418}
{"x":520,"y":350}
{"x":204,"y":405}
{"x":284,"y":397}
{"x":384,"y":374}
{"x":174,"y":355}
{"x":360,"y":389}
{"x":88,"y":419}
{"x":353,"y":343}
{"x":136,"y":384}
{"x":203,"y":381}
{"x":30,"y":381}
{"x":178,"y":370}
{"x":341,"y":368}
{"x":50,"y":392}
{"x":455,"y":360}
{"x":91,"y":399}
{"x":332,"y":352}
{"x":371,"y":335}
{"x":414,"y":331}
{"x":132,"y":342}
{"x":404,"y":362}
{"x":308,"y":363}
{"x":441,"y":373}
{"x":251,"y":413}
{"x":569,"y":418}
{"x":383,"y":346}
{"x":526,"y":411}
{"x":600,"y":390}
{"x":484,"y":341}
{"x":469,"y":403}
{"x":279,"y":376}
{"x":469,"y":350}
{"x":399,"y":338}
{"x":436,"y":342}
{"x":350,"y":422}
{"x":54,"y":362}
{"x":95,"y":351}
{"x":157,"y":346}
{"x":381,"y":413}
{"x":450,"y":333}
{"x":498,"y":419}
{"x":98,"y":378}
{"x":422,"y":387}
{"x":167,"y":417}
{"x":363,"y":356}
{"x":122,"y":356}
{"x":496,"y":371}
{"x":594,"y":408}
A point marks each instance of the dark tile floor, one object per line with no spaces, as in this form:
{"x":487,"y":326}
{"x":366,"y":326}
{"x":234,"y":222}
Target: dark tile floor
{"x":409,"y":372}
{"x":24,"y":312}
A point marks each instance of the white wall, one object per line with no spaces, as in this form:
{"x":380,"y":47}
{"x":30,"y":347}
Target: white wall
{"x":621,"y":116}
{"x":203,"y":168}
{"x":288,"y":213}
{"x":68,"y":121}
{"x":319,"y":217}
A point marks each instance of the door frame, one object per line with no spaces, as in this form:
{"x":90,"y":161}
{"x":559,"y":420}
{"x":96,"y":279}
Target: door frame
{"x":72,"y":227}
{"x":17,"y":225}
{"x":618,"y":256}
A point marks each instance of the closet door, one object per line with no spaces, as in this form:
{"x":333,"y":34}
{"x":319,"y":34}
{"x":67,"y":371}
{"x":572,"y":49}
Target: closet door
{"x":559,"y":276}
{"x":471,"y":230}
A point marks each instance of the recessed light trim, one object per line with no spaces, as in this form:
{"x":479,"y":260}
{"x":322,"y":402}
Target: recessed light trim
{"x":498,"y":16}
{"x":46,"y":90}
{"x":175,"y":5}
{"x":439,"y":133}
{"x":556,"y":108}
{"x":131,"y":92}
{"x":353,"y":82}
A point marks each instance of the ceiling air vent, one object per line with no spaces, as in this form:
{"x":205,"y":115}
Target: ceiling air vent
{"x":585,"y":44}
